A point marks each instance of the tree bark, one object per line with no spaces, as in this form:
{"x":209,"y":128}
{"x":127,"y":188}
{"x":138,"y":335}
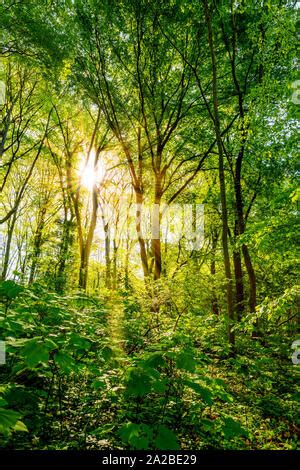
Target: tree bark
{"x":239,"y":284}
{"x":241,"y":231}
{"x":11,"y":227}
{"x":222,"y":184}
{"x":156,"y":229}
{"x":215,"y":306}
{"x":141,"y":240}
{"x":86,"y":245}
{"x":107,"y":256}
{"x":60,"y":281}
{"x":114,"y":268}
{"x":37,"y":243}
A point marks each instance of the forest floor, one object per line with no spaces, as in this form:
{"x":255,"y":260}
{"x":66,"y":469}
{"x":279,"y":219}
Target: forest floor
{"x":86,"y":373}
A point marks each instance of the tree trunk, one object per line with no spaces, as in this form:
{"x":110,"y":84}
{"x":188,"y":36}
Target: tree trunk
{"x":156,"y":229}
{"x":107,"y":257}
{"x":37,"y":243}
{"x":241,"y":231}
{"x":252,"y":278}
{"x":239,"y":284}
{"x":141,"y":240}
{"x":239,"y":277}
{"x":11,"y":227}
{"x":86,"y":245}
{"x":114,"y":273}
{"x":83,"y":269}
{"x":126,"y":263}
{"x":227,"y":267}
{"x":156,"y":241}
{"x":215,"y":306}
{"x":60,"y":280}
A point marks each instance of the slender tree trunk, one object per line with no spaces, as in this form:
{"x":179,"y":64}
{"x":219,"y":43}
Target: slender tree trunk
{"x":156,"y":249}
{"x":86,"y":245}
{"x":227,"y":267}
{"x":22,"y":258}
{"x":107,"y":257}
{"x":114,"y":273}
{"x":37,"y":243}
{"x":156,"y":229}
{"x":10,"y":231}
{"x":164,"y":266}
{"x":239,"y":277}
{"x":126,"y":263}
{"x":241,"y":230}
{"x":141,"y":240}
{"x":215,"y":306}
{"x":156,"y":241}
{"x":239,"y":284}
{"x":83,"y":269}
{"x":239,"y":160}
{"x":66,"y":241}
{"x":97,"y":282}
{"x":252,"y":278}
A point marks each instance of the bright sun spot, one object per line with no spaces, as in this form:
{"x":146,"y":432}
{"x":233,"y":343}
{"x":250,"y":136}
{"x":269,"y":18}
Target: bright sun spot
{"x":89,"y":174}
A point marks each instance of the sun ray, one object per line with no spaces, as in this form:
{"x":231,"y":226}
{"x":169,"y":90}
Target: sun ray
{"x":90,"y":173}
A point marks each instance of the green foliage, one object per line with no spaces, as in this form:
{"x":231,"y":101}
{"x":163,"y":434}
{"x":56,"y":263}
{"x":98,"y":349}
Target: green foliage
{"x":204,"y":393}
{"x":65,"y":362}
{"x":166,"y":439}
{"x":168,"y":392}
{"x":9,"y":289}
{"x":138,"y":436}
{"x":142,"y":436}
{"x":185,"y":360}
{"x":9,"y":420}
{"x":39,"y":356}
{"x":233,"y":428}
{"x":35,"y":351}
{"x":197,"y":354}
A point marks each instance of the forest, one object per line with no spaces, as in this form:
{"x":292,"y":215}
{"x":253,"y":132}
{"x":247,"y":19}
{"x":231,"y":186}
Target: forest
{"x":149,"y":220}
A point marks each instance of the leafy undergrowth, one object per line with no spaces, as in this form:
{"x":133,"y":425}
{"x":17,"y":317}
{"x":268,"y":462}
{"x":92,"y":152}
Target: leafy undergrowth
{"x":86,"y":373}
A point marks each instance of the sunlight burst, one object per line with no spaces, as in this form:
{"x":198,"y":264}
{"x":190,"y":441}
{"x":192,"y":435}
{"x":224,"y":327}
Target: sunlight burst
{"x":91,"y":174}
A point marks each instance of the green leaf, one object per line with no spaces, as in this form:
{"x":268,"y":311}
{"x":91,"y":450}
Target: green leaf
{"x":34,"y":352}
{"x":207,"y":424}
{"x":50,"y":344}
{"x":204,"y":392}
{"x":166,"y":439}
{"x":224,"y":396}
{"x":79,"y":342}
{"x":98,"y":384}
{"x":138,"y":436}
{"x":160,"y":385}
{"x":155,"y":359}
{"x":128,"y":431}
{"x":107,"y":353}
{"x":3,"y":402}
{"x":20,"y":426}
{"x":20,"y":397}
{"x":185,"y":360}
{"x":233,"y":428}
{"x":144,"y":438}
{"x":65,"y":362}
{"x":8,"y":419}
{"x":16,"y":342}
{"x":138,"y":382}
{"x":10,"y":289}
